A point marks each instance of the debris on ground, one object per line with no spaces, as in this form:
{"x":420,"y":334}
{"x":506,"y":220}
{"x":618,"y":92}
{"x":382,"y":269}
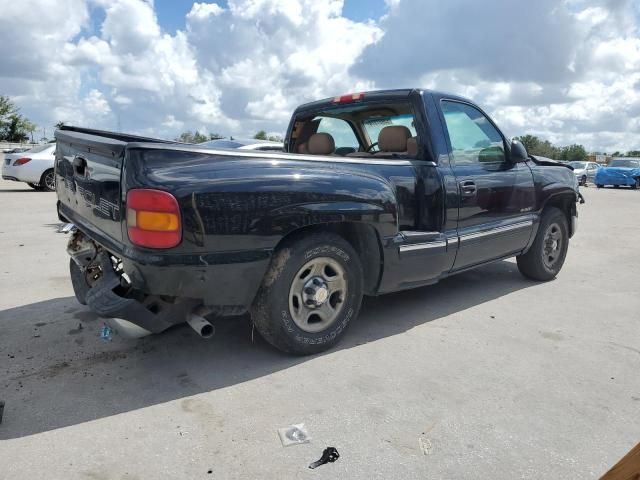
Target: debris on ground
{"x":294,"y":435}
{"x":106,"y":334}
{"x":329,"y":455}
{"x":1,"y":409}
{"x":425,"y":445}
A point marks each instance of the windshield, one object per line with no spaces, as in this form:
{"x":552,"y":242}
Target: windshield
{"x":374,"y":125}
{"x":41,"y":148}
{"x":577,"y":165}
{"x":624,"y":163}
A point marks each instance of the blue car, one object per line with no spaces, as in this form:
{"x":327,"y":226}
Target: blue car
{"x":619,"y":171}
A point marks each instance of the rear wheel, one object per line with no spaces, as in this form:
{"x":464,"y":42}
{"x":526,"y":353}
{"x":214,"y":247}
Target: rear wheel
{"x":48,"y":181}
{"x":637,"y":184}
{"x":583,"y":181}
{"x":81,"y":281}
{"x":310,"y":293}
{"x":546,"y":256}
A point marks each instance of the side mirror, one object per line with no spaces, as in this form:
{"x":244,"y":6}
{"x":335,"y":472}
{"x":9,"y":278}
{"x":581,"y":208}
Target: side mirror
{"x":518,"y":152}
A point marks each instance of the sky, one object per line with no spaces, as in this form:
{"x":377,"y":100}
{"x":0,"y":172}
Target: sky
{"x":565,"y":70}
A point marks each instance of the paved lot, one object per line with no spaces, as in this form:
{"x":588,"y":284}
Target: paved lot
{"x":484,"y":376}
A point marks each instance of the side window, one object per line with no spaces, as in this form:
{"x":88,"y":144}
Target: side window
{"x":341,"y":132}
{"x":473,"y":138}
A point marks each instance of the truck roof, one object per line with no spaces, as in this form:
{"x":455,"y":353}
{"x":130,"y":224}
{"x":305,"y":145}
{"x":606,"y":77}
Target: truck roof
{"x":380,"y":95}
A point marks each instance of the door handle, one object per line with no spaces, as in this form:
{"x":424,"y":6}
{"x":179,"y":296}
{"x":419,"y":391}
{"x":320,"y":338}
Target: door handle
{"x":468,"y":188}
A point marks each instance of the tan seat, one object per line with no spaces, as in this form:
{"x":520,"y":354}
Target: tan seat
{"x":321,"y":144}
{"x":393,"y":139}
{"x":412,"y":146}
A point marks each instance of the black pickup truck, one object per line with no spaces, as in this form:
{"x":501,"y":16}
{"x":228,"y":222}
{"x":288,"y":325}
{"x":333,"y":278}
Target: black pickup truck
{"x":376,"y":192}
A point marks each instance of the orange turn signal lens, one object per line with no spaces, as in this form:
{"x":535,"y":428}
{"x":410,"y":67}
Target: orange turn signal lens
{"x":157,"y":221}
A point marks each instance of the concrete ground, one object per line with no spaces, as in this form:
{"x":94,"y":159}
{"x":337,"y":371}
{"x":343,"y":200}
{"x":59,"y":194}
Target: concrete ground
{"x":484,"y":376}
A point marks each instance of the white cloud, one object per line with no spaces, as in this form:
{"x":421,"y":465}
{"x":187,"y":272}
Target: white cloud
{"x":201,"y":11}
{"x":568,"y":70}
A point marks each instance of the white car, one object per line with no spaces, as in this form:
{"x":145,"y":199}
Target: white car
{"x":34,"y":167}
{"x":245,"y":144}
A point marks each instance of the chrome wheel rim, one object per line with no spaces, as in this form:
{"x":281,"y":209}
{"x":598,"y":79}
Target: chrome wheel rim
{"x":552,"y":245}
{"x":317,"y":294}
{"x":50,"y":181}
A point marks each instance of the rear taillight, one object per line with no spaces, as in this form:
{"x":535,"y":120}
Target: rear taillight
{"x":21,"y":161}
{"x":153,"y":218}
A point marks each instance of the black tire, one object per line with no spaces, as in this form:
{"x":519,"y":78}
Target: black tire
{"x":600,"y":186}
{"x":82,"y":281}
{"x":616,"y":186}
{"x":46,"y":184}
{"x":636,"y":185}
{"x":583,"y":181}
{"x":271,"y":312}
{"x":79,"y":282}
{"x":536,"y":264}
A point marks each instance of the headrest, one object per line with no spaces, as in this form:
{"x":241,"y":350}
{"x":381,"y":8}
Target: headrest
{"x":412,"y":146}
{"x":393,"y":138}
{"x":321,"y":144}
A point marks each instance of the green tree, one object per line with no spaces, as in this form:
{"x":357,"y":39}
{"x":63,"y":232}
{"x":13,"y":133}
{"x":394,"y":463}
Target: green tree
{"x":537,"y":146}
{"x":574,"y":152}
{"x":261,"y":135}
{"x":633,"y":153}
{"x":191,"y":137}
{"x":14,"y":127}
{"x":18,"y":128}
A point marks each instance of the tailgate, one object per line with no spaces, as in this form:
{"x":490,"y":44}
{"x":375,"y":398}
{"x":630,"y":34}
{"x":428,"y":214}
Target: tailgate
{"x":88,"y":170}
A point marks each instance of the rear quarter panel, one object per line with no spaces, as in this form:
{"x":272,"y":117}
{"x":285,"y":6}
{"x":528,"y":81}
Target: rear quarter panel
{"x":232,"y":204}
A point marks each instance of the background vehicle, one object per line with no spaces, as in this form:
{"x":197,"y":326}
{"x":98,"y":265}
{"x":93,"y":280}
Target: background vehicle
{"x":16,"y":150}
{"x":34,"y":167}
{"x":245,"y":144}
{"x":584,"y":171}
{"x":619,"y":171}
{"x":397,"y":189}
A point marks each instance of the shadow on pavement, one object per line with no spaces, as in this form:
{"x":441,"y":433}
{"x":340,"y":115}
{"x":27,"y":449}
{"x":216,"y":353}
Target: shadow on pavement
{"x":56,"y":372}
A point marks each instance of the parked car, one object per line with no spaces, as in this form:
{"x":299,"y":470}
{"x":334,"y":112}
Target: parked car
{"x":34,"y":167}
{"x":245,"y":144}
{"x":425,"y":186}
{"x":619,"y":171}
{"x":16,"y":150}
{"x":584,"y":171}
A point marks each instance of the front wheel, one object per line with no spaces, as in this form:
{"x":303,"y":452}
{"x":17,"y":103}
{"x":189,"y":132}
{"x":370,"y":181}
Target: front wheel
{"x":636,"y":184}
{"x":546,"y":256}
{"x":310,"y":293}
{"x":583,"y":181}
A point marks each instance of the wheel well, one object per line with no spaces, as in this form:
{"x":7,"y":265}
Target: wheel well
{"x":364,"y":240}
{"x":566,"y":203}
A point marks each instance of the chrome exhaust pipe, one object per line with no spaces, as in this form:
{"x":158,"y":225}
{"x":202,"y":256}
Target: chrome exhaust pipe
{"x":201,"y":325}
